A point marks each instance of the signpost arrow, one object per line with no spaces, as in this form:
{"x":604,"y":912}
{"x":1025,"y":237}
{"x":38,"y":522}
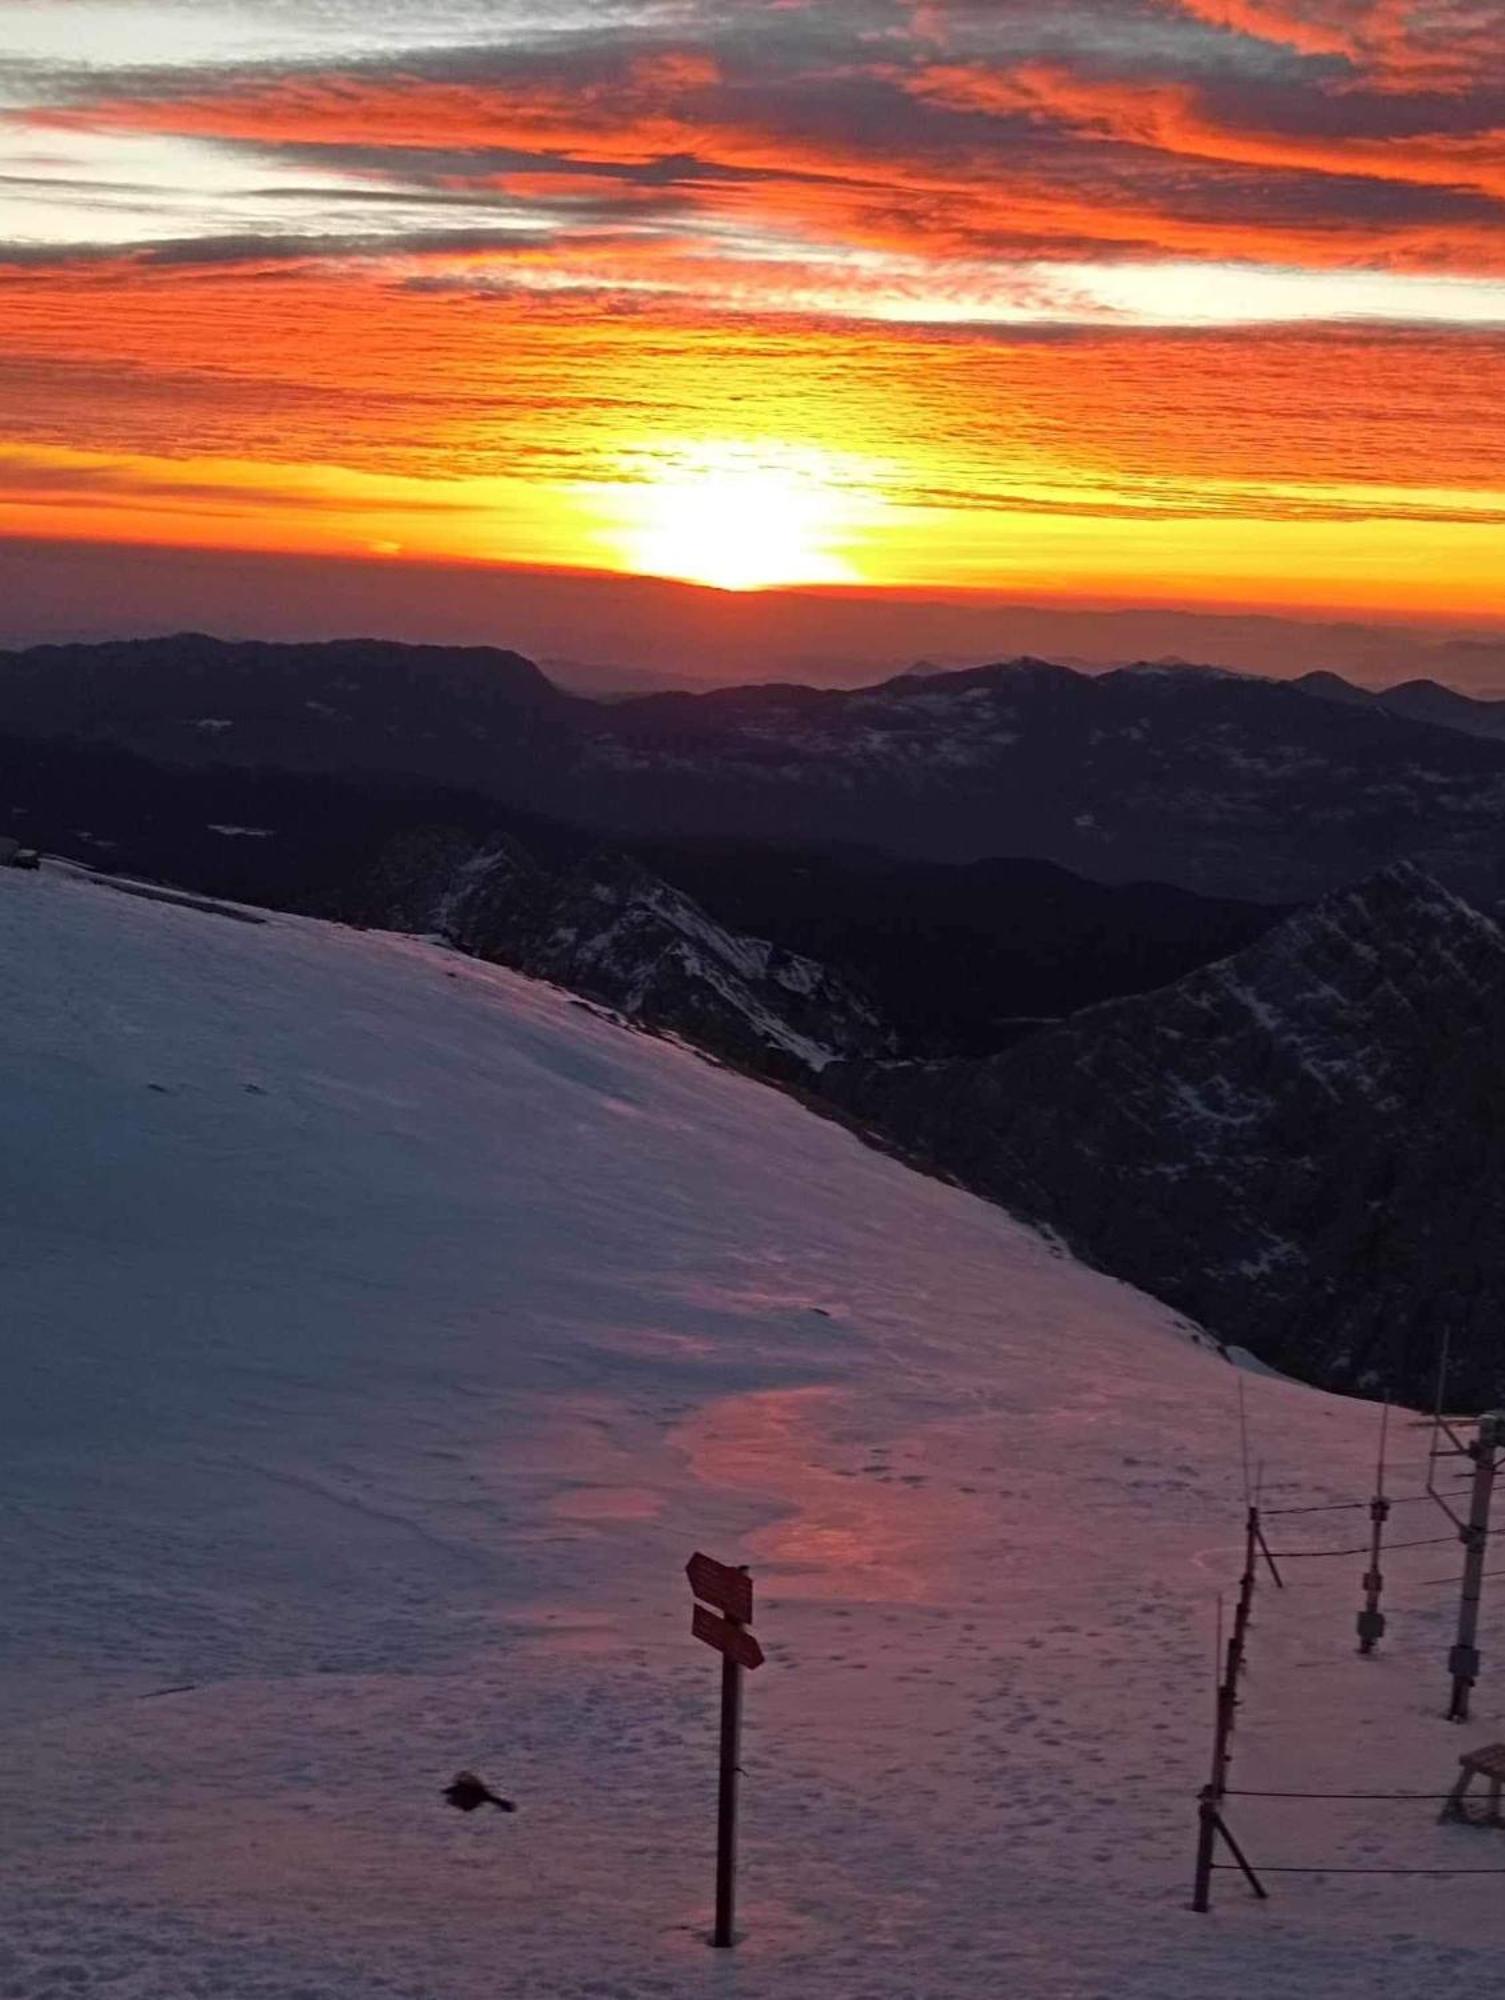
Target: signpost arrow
{"x":730,"y":1640}
{"x":730,"y":1590}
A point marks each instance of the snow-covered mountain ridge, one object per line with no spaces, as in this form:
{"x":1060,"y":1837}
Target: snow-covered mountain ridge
{"x":382,"y":1332}
{"x":613,"y":930}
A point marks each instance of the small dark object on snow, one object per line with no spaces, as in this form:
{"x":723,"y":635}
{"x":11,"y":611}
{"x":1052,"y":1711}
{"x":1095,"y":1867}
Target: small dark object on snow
{"x":466,"y":1791}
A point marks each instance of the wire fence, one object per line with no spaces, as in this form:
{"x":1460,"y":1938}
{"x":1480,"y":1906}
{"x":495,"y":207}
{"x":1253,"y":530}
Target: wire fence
{"x":1362,"y":1549}
{"x":1319,"y":1868}
{"x":1341,"y":1506}
{"x":1411,"y":1797}
{"x":1214,"y":1830}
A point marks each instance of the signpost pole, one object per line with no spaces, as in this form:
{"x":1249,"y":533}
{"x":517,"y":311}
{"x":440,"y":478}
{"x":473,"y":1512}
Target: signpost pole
{"x":726,"y":1804}
{"x":1371,"y":1618}
{"x":731,"y":1592}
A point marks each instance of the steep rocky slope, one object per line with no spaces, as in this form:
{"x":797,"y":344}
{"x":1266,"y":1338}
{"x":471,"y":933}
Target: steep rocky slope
{"x":961,"y":958}
{"x":610,"y":929}
{"x":1302,"y":1146}
{"x":964,"y":957}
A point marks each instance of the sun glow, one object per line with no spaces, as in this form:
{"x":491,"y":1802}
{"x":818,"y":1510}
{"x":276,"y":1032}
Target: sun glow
{"x":737,"y":522}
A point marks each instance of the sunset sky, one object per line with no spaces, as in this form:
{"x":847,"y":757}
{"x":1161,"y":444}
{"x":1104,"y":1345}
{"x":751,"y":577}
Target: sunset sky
{"x":1159,"y":302}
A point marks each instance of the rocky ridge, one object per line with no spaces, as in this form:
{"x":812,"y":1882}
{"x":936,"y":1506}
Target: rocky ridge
{"x":613,"y":931}
{"x":1302,"y":1146}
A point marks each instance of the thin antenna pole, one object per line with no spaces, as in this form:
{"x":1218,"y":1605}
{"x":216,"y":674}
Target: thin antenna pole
{"x":1217,"y":1659}
{"x":1442,"y":1381}
{"x":1463,"y":1660}
{"x":1212,"y":1792}
{"x":1243,"y":1433}
{"x":1460,"y":1449}
{"x":1371,"y":1620}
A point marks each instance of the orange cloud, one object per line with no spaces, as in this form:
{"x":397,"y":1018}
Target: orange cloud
{"x":953,"y":192}
{"x":356,"y":368}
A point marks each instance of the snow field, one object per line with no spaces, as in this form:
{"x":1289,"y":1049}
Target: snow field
{"x":382,"y":1331}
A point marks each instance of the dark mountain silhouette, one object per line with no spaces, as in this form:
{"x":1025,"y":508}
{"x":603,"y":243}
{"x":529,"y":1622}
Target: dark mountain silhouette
{"x":458,"y":715}
{"x":970,"y":957}
{"x":1220,"y":783}
{"x":1216,"y":782}
{"x":1414,"y":701}
{"x":290,"y":839}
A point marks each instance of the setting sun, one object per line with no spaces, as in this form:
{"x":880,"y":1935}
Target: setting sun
{"x":737,"y":524}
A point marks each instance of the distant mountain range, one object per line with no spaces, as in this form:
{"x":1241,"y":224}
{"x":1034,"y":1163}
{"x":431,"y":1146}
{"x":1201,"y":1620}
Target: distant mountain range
{"x":1224,"y":784}
{"x":658,"y":632}
{"x":1301,"y":1146}
{"x":1414,"y":701}
{"x":457,"y":715}
{"x":1220,"y":783}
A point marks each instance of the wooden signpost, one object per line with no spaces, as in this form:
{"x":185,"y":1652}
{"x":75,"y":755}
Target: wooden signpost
{"x":730,"y":1639}
{"x":730,"y":1591}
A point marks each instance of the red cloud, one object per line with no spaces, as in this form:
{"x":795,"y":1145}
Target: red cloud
{"x":935,"y":187}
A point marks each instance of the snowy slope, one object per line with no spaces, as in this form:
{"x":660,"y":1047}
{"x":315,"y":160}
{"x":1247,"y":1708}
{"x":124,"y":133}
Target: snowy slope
{"x":383,"y":1330}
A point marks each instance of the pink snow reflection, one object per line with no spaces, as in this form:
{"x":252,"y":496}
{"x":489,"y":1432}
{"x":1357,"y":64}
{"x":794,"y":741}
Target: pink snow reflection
{"x":607,"y":1503}
{"x":885,"y":1529}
